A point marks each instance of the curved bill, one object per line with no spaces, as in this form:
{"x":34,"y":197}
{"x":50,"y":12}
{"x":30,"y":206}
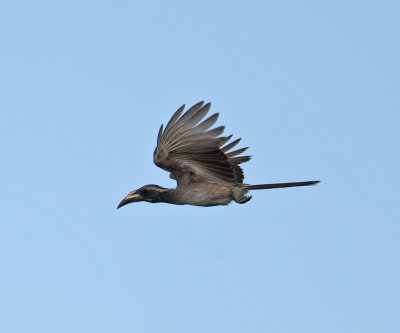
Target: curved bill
{"x":131,"y":197}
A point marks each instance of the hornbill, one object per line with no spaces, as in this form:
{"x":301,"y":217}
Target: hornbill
{"x":205,"y":167}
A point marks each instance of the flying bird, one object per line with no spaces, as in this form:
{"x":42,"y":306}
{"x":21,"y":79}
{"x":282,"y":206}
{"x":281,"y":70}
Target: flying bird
{"x":206,"y":169}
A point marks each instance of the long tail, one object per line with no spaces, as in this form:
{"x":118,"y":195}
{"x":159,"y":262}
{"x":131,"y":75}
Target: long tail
{"x":278,"y":185}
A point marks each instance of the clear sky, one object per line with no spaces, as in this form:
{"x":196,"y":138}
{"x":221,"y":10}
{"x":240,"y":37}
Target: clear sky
{"x":311,"y":86}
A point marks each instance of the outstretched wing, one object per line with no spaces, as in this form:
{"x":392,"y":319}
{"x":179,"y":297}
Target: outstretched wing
{"x":193,"y":153}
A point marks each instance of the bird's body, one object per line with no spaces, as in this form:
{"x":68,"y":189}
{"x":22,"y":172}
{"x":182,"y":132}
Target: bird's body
{"x":206,"y":169}
{"x":208,"y":194}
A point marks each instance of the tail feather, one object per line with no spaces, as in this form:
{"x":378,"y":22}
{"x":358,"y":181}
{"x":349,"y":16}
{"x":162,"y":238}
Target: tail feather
{"x":279,"y":185}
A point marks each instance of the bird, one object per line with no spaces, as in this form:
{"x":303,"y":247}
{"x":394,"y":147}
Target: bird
{"x":206,"y":169}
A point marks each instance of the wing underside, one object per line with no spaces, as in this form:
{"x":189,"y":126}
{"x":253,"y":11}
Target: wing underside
{"x":193,"y":152}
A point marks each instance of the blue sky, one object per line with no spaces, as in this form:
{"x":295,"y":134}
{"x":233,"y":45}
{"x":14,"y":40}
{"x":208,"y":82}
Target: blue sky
{"x":311,"y":86}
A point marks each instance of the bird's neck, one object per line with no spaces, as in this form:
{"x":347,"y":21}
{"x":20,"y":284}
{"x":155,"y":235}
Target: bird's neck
{"x":166,"y":195}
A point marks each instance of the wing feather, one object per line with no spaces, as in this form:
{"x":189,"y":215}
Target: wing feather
{"x":173,"y":120}
{"x":237,"y":152}
{"x":230,"y":145}
{"x":193,"y":152}
{"x":159,"y":134}
{"x":179,"y":126}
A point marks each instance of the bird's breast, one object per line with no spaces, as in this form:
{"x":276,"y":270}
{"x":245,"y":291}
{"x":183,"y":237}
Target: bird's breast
{"x":204,"y":194}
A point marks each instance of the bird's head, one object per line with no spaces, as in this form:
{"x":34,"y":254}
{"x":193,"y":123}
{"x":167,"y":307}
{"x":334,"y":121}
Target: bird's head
{"x":149,"y":193}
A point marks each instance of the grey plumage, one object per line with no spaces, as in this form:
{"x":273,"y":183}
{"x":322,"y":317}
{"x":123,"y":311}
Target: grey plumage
{"x":207,"y":170}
